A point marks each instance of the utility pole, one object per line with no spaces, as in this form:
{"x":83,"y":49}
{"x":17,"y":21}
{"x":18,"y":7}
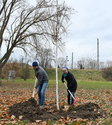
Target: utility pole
{"x":72,"y":61}
{"x":97,"y":54}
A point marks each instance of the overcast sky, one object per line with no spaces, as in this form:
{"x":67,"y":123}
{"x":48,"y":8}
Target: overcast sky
{"x":92,"y":20}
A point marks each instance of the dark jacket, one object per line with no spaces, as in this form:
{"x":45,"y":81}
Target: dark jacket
{"x":41,"y":75}
{"x":71,"y":81}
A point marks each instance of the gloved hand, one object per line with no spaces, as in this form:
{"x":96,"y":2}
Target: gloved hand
{"x":63,"y":81}
{"x":34,"y":92}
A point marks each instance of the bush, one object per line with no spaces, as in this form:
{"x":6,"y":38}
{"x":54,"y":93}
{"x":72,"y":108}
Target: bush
{"x":107,"y":73}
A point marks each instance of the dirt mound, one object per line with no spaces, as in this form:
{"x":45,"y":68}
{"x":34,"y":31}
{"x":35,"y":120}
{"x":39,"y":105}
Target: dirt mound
{"x":29,"y":110}
{"x":88,"y":111}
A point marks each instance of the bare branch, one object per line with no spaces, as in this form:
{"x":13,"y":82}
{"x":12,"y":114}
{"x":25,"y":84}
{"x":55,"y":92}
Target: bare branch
{"x":23,"y":26}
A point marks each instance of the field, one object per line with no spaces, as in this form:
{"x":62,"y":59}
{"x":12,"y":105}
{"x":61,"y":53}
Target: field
{"x":93,"y":104}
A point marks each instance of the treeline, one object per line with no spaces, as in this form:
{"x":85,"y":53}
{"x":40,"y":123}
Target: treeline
{"x":25,"y":71}
{"x":15,"y":69}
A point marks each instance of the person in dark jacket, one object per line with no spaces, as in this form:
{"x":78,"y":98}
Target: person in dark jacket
{"x":42,"y":82}
{"x":71,"y":83}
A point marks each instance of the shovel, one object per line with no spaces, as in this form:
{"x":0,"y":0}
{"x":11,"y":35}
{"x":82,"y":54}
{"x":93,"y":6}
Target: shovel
{"x":33,"y":94}
{"x":69,"y":92}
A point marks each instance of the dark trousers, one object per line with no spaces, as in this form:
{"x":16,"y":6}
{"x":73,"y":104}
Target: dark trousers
{"x":70,"y":99}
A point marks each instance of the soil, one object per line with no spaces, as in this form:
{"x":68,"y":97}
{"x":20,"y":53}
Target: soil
{"x":29,"y":110}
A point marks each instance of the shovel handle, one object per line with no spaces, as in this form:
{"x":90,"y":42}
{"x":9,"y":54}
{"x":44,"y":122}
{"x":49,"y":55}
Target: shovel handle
{"x":33,"y":94}
{"x":69,"y":91}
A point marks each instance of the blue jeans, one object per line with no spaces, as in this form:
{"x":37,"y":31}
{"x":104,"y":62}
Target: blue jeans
{"x":41,"y":92}
{"x":70,"y":99}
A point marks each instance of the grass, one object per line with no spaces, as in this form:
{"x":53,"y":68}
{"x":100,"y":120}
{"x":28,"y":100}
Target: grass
{"x":88,"y":84}
{"x":87,"y":79}
{"x":95,"y":84}
{"x":79,"y":74}
{"x":82,"y":84}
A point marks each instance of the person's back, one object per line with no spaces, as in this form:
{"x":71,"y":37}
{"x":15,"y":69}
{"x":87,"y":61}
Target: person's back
{"x":71,"y":81}
{"x":41,"y":73}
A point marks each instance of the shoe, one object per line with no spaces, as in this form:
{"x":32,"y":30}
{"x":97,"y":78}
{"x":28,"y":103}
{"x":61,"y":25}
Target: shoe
{"x":41,"y":107}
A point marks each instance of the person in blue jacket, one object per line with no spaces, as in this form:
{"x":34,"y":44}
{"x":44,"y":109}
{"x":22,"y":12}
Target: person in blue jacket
{"x":71,"y":84}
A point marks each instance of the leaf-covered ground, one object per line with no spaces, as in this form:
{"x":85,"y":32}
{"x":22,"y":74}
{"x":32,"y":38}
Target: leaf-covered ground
{"x":93,"y":107}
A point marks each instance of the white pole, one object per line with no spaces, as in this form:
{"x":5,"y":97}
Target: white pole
{"x":57,"y":95}
{"x":56,"y":40}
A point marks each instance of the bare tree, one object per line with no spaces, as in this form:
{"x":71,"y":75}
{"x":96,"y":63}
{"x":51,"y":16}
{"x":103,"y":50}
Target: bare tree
{"x":91,"y":63}
{"x":102,"y":65}
{"x":81,"y":63}
{"x":24,"y":69}
{"x":45,"y":56}
{"x":61,"y":61}
{"x":87,"y":63}
{"x":20,"y":23}
{"x":42,"y":52}
{"x":109,"y":63}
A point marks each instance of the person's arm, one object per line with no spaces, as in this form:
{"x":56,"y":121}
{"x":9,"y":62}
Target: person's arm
{"x":40,"y":77}
{"x":62,"y":79}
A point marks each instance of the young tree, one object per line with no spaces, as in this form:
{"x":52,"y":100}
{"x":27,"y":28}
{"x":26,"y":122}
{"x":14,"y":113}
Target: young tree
{"x":61,"y":61}
{"x":57,"y":28}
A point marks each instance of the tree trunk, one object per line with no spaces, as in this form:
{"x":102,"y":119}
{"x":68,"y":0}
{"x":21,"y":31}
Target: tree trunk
{"x":0,"y":76}
{"x":57,"y":95}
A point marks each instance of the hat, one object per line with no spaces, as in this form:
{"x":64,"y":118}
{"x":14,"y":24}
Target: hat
{"x":35,"y":63}
{"x":64,"y":68}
